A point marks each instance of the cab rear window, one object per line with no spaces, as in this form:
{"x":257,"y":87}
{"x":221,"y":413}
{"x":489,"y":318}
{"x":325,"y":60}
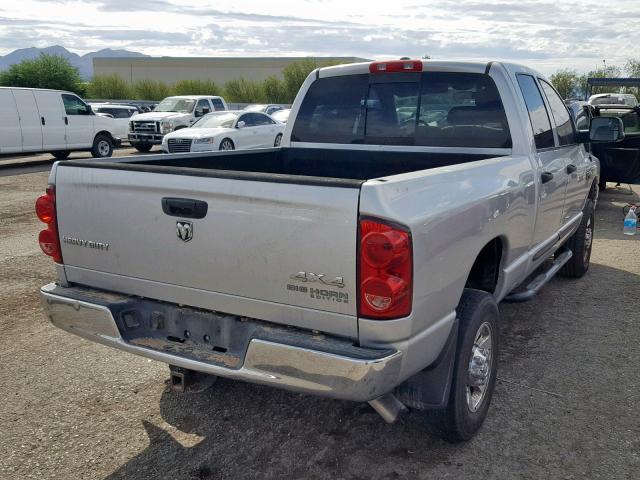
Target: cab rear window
{"x":434,"y":109}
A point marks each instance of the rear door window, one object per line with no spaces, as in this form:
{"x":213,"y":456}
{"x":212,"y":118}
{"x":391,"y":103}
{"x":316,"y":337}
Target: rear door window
{"x":261,"y":119}
{"x":434,"y":109}
{"x":217,"y":104}
{"x":561,"y":117}
{"x":538,"y":114}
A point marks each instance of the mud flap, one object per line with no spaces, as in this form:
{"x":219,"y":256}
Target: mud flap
{"x":429,"y":389}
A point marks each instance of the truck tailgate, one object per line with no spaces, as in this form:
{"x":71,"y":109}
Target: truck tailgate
{"x":278,"y":251}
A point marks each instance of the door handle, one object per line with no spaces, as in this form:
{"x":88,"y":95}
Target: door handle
{"x":571,"y":168}
{"x":42,"y":121}
{"x":184,"y":207}
{"x":546,"y":177}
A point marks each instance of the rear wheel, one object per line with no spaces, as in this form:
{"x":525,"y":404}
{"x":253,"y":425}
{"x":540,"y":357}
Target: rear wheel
{"x":227,"y":144}
{"x":475,"y":370}
{"x":61,"y":155}
{"x":277,"y":141}
{"x":580,"y":245}
{"x":142,"y":147}
{"x":102,"y":146}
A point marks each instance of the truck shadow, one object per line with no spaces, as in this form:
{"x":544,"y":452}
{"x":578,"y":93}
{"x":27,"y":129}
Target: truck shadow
{"x":236,"y":430}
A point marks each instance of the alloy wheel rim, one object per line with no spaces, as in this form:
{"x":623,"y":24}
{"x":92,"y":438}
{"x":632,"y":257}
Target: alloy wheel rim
{"x":479,"y":368}
{"x":226,"y":145}
{"x":278,"y":140}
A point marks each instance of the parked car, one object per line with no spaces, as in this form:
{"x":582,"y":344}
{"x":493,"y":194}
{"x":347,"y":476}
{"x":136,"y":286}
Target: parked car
{"x":612,"y":99}
{"x":172,"y":113}
{"x":268,"y":109}
{"x":230,"y":130}
{"x":363,"y":260}
{"x":281,"y":115}
{"x":39,"y":120}
{"x":120,"y":113}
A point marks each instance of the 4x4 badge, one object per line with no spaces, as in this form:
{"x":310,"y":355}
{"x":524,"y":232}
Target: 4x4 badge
{"x":318,"y":277}
{"x":184,"y":230}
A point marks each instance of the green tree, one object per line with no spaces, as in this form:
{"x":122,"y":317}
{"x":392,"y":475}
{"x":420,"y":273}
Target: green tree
{"x":610,"y":71}
{"x":242,"y":90}
{"x":632,"y":67}
{"x":566,"y":82}
{"x":296,"y":73}
{"x":275,"y":90}
{"x":150,"y":90}
{"x":110,"y":87}
{"x":196,"y":87}
{"x":46,"y":71}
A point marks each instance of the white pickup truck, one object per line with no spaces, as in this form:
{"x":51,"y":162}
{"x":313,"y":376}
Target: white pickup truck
{"x":362,"y":260}
{"x":171,"y":114}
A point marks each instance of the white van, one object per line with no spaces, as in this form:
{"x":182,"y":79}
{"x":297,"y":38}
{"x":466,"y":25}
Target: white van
{"x":38,"y":120}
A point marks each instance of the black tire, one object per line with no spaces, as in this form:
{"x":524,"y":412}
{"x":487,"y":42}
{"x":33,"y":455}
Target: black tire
{"x":477,"y":312}
{"x":276,"y":142}
{"x":142,"y":147}
{"x":102,"y":146}
{"x":227,"y":144}
{"x":580,"y":244}
{"x":61,"y":155}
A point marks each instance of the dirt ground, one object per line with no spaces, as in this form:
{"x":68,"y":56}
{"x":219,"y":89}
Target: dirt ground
{"x":565,"y":407}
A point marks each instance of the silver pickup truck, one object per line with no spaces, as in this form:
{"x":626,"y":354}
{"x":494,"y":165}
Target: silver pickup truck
{"x":363,"y":260}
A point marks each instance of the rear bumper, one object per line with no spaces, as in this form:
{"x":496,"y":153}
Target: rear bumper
{"x":148,"y":138}
{"x":291,"y":359}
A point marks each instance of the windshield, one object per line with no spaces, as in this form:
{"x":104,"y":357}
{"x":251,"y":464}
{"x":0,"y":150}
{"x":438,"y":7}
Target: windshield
{"x":172,"y":104}
{"x":255,"y":108}
{"x":214,"y":120}
{"x":627,"y":100}
{"x":281,"y":115}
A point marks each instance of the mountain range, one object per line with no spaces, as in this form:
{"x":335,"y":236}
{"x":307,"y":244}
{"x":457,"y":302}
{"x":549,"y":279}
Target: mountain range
{"x":84,"y":63}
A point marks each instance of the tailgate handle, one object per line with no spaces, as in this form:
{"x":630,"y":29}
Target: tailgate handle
{"x":184,"y":207}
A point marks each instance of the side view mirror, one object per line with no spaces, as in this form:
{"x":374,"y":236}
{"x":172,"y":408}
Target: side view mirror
{"x":89,"y":110}
{"x":240,"y":124}
{"x":198,"y":113}
{"x":606,"y":129}
{"x":205,"y":111}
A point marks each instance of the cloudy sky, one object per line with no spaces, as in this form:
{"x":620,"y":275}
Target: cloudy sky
{"x":544,"y":34}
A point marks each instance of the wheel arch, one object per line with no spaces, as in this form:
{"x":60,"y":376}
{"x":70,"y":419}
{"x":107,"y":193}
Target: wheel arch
{"x":484,"y":274}
{"x":227,"y":138}
{"x":106,"y":133}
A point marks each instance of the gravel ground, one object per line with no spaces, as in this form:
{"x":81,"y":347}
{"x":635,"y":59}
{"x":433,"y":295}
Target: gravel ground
{"x":565,"y":406}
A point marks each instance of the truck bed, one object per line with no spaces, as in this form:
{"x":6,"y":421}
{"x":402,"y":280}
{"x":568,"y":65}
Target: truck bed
{"x":281,"y":163}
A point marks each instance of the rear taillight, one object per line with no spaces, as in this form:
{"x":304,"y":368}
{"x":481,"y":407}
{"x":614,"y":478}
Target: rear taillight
{"x":385,"y":270}
{"x":46,"y":212}
{"x":396,"y":66}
